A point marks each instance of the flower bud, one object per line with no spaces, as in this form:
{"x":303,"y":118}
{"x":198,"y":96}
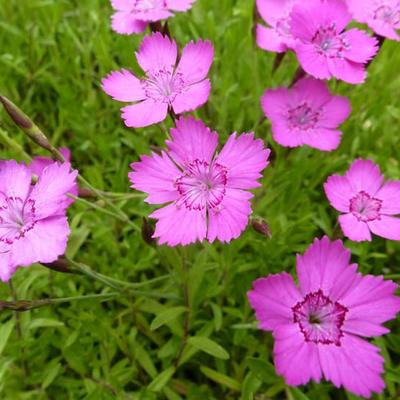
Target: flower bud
{"x":261,"y":226}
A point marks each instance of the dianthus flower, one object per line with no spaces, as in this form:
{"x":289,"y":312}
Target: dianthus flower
{"x":133,"y":16}
{"x":367,"y":202}
{"x":307,"y":114}
{"x":276,"y":14}
{"x":33,"y":223}
{"x":382,"y":16}
{"x":324,"y":49}
{"x":320,"y":326}
{"x":183,"y":87}
{"x":207,"y":193}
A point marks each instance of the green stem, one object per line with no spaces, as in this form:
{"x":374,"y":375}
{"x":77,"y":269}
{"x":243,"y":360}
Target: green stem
{"x":14,"y":145}
{"x":26,"y":305}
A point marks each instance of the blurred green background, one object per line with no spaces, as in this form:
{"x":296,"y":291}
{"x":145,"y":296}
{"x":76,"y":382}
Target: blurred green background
{"x":53,"y":54}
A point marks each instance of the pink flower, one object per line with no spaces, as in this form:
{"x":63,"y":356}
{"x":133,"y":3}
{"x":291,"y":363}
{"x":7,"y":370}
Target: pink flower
{"x":38,"y":164}
{"x":366,"y":201}
{"x":324,"y":49}
{"x":382,"y":16}
{"x":319,"y":327}
{"x":132,"y":16}
{"x":33,"y":224}
{"x":183,"y":87}
{"x":207,"y":193}
{"x":306,"y":115}
{"x":276,"y":13}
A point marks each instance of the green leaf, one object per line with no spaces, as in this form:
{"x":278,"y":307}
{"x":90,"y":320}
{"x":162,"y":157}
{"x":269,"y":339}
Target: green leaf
{"x":167,"y":316}
{"x":208,"y":346}
{"x":264,"y":370}
{"x":221,"y":378}
{"x":5,"y":332}
{"x":298,"y":394}
{"x":161,"y":380}
{"x":45,"y":323}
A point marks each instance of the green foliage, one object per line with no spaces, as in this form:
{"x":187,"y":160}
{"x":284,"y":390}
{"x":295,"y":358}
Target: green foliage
{"x":202,"y":343}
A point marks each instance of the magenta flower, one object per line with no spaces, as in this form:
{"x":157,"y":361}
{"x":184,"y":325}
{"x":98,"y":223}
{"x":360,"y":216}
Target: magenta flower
{"x":324,"y":48}
{"x":183,"y":87}
{"x":207,"y":193}
{"x":367,"y":203}
{"x":132,"y":16}
{"x":276,"y":14}
{"x":33,"y":224}
{"x":319,"y":327}
{"x":307,"y":114}
{"x":39,"y":163}
{"x":382,"y":16}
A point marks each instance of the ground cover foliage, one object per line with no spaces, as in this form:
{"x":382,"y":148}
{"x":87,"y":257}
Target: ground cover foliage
{"x":151,"y":345}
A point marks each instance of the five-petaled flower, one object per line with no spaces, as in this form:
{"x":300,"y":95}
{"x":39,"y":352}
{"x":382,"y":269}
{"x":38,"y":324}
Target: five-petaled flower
{"x":307,"y":114}
{"x":324,"y":48}
{"x":33,"y":222}
{"x":319,"y":327}
{"x":183,"y":87}
{"x":133,"y":16}
{"x":367,"y":202}
{"x":208,"y":192}
{"x":382,"y":16}
{"x":277,"y":36}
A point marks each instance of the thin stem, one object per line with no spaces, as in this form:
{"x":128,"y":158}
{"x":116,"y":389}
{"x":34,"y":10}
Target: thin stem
{"x":26,"y":305}
{"x":25,"y":368}
{"x":186,"y":301}
{"x":14,"y":145}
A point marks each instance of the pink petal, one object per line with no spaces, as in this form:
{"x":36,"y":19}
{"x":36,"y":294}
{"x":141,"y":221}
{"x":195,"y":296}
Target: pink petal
{"x":126,"y":23}
{"x":268,"y":39}
{"x":362,"y":46}
{"x":312,"y":90}
{"x":229,"y":220}
{"x":123,"y":86}
{"x":50,"y":192}
{"x":38,"y":164}
{"x":386,"y":227}
{"x":365,"y":175}
{"x":389,"y":193}
{"x":196,"y":61}
{"x":321,"y":265}
{"x":179,"y":5}
{"x":339,"y":192}
{"x":192,"y":140}
{"x":145,"y":113}
{"x":6,"y":269}
{"x":334,"y":12}
{"x":155,"y":176}
{"x":295,"y":359}
{"x":193,"y":97}
{"x":179,"y":225}
{"x":358,"y":10}
{"x":355,"y":230}
{"x":384,"y":29}
{"x":371,"y":301}
{"x":286,"y":136}
{"x":246,"y":158}
{"x":272,"y":299}
{"x":15,"y":179}
{"x":44,"y":243}
{"x":305,"y":19}
{"x":153,"y":15}
{"x":347,"y":70}
{"x":356,"y":365}
{"x":276,"y":103}
{"x":273,"y":10}
{"x":157,"y":52}
{"x":312,"y":62}
{"x":322,"y":139}
{"x":334,"y":112}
